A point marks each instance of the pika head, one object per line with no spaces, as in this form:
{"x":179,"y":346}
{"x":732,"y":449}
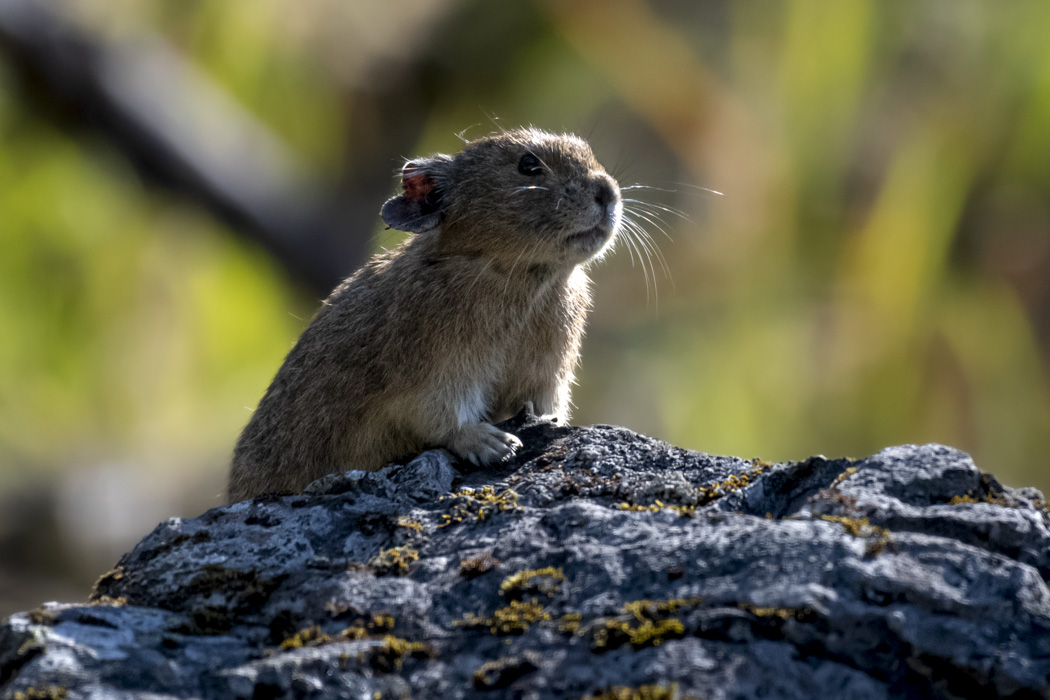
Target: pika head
{"x":524,"y":195}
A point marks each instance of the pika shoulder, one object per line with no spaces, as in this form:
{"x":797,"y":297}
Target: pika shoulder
{"x":430,"y":344}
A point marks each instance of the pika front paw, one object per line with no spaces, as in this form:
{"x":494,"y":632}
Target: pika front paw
{"x":483,"y":444}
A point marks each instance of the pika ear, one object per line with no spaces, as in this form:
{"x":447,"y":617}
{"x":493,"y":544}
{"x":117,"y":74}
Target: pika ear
{"x":420,"y":207}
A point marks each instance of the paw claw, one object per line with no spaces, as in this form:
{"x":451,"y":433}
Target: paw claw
{"x":483,"y":444}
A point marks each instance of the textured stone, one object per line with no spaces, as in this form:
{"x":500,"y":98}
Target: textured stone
{"x":597,"y":561}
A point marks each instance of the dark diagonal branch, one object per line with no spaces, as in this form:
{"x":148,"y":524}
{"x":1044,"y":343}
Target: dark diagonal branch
{"x":183,"y":132}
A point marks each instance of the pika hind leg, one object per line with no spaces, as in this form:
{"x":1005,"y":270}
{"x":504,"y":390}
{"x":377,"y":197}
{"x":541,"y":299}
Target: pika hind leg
{"x":550,"y":417}
{"x":483,"y":444}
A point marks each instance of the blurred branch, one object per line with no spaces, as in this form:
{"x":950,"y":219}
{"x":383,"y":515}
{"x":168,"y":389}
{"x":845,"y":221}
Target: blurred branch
{"x":184,"y":133}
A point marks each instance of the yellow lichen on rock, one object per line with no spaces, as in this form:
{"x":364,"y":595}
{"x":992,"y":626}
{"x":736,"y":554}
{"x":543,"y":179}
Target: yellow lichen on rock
{"x":478,"y":504}
{"x":545,"y":581}
{"x":514,"y":618}
{"x":394,"y":561}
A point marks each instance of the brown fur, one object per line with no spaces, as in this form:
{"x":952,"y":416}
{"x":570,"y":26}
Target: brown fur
{"x":429,"y":344}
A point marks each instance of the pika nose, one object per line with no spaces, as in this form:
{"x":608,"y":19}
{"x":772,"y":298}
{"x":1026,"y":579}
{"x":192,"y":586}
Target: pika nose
{"x":604,"y":196}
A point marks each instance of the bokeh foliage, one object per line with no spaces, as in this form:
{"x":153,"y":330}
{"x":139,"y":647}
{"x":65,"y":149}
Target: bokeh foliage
{"x":875,"y":273}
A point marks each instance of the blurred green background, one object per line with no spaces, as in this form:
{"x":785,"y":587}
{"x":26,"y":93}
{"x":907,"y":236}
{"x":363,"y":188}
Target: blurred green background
{"x":876,"y":271}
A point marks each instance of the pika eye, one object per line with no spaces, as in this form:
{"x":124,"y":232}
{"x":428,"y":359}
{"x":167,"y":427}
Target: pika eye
{"x":529,"y":165}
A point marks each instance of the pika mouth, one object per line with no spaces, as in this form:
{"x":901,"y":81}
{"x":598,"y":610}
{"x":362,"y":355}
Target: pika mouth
{"x":593,"y":237}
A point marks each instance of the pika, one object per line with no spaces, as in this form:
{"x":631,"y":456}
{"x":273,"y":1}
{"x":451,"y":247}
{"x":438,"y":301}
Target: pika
{"x":428,"y":345}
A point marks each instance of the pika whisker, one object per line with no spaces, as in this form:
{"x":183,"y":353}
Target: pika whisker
{"x":656,"y":209}
{"x":639,"y":217}
{"x":632,"y":238}
{"x":652,"y":219}
{"x":708,"y":190}
{"x":637,"y":186}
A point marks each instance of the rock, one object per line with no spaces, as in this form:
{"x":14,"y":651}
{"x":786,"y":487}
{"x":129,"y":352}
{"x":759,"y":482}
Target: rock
{"x":598,"y":564}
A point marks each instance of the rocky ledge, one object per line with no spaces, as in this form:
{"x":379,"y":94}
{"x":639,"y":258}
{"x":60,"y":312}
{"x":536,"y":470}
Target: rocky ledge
{"x":598,"y":564}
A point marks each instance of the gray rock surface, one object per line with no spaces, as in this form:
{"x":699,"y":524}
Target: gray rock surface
{"x":600,"y":563}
